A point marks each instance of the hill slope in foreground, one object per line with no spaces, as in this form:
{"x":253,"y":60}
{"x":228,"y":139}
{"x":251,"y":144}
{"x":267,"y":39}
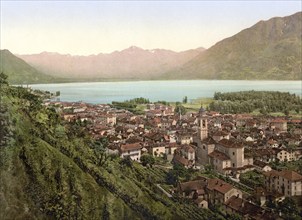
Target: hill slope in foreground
{"x":268,"y":50}
{"x":52,"y":170}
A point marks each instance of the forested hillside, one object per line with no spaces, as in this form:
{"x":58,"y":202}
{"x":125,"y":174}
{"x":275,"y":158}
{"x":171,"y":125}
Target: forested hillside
{"x":53,"y":170}
{"x":249,"y":101}
{"x":268,"y":50}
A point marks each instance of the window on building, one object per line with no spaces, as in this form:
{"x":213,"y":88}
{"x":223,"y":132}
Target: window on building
{"x":233,"y":153}
{"x":233,"y":164}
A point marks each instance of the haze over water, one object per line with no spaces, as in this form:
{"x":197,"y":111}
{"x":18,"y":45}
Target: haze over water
{"x":172,"y":91}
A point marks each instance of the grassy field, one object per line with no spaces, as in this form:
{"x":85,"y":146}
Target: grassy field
{"x":292,"y":114}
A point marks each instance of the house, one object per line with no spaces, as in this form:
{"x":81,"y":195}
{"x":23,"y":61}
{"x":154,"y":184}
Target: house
{"x":171,"y":147}
{"x":131,"y":150}
{"x":287,"y":155}
{"x":262,"y":166}
{"x":279,"y":124}
{"x":286,"y":182}
{"x":195,"y":190}
{"x":244,"y":208}
{"x":265,"y":155}
{"x":109,"y":119}
{"x":262,"y":196}
{"x":204,"y":191}
{"x":219,"y":135}
{"x":178,"y":159}
{"x":188,"y":151}
{"x":185,"y":138}
{"x":219,"y":191}
{"x":220,"y":161}
{"x":157,"y":149}
{"x":185,"y":155}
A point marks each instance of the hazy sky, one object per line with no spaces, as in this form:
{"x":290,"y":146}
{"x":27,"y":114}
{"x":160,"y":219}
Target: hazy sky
{"x":92,"y":27}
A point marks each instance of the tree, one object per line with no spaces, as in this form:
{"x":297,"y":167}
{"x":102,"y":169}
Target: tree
{"x":100,"y":150}
{"x":172,"y":178}
{"x":3,"y":79}
{"x":147,"y":159}
{"x":286,"y":112}
{"x":185,"y":100}
{"x":126,"y":162}
{"x":288,"y":207}
{"x":180,"y":109}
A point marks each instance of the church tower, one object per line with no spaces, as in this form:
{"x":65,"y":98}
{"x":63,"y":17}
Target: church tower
{"x":203,"y":124}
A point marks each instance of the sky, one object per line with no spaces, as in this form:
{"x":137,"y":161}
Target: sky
{"x":93,"y":27}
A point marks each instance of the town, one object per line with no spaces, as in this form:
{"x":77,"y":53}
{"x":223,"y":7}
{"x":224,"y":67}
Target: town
{"x":239,"y":161}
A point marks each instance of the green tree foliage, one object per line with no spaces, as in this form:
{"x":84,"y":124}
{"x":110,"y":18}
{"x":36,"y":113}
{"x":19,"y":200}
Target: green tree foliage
{"x":3,"y":79}
{"x":163,"y":102}
{"x":175,"y":174}
{"x":180,"y":109}
{"x":185,"y":100}
{"x":147,"y":159}
{"x":99,"y":148}
{"x":126,"y":162}
{"x":288,"y":207}
{"x":140,"y":100}
{"x":248,"y":101}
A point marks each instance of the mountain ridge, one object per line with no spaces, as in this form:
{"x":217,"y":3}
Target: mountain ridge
{"x":267,"y":50}
{"x":132,"y":62}
{"x":20,"y":72}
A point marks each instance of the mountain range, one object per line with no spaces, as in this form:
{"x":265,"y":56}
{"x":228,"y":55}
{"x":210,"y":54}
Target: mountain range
{"x":131,"y":63}
{"x":268,"y":50}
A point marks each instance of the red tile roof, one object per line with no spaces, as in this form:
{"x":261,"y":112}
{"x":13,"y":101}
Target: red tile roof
{"x":135,"y":146}
{"x":219,"y":185}
{"x":218,"y":155}
{"x":290,"y":175}
{"x":287,"y":174}
{"x":230,"y":143}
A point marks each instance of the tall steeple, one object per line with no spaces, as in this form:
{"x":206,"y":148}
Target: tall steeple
{"x":203,"y":124}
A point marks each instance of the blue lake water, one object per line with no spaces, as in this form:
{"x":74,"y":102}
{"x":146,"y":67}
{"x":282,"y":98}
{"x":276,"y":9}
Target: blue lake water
{"x":106,"y":92}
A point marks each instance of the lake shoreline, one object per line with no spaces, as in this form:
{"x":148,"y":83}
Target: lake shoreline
{"x":167,"y":90}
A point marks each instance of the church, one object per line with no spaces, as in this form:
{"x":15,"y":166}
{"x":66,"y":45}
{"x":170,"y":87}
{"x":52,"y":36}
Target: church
{"x":224,"y":153}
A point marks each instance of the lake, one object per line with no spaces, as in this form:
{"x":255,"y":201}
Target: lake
{"x":106,"y":92}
